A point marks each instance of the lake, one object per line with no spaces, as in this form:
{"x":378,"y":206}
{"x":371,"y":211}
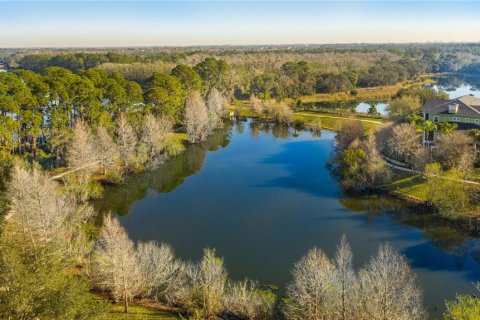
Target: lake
{"x":457,"y":85}
{"x":263,"y":196}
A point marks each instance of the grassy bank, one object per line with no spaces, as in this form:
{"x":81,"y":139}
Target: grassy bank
{"x":137,"y":312}
{"x":334,"y":122}
{"x":410,"y":187}
{"x":324,"y":120}
{"x":413,"y":187}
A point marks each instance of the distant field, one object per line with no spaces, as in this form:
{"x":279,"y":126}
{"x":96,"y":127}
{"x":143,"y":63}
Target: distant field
{"x":366,"y":94}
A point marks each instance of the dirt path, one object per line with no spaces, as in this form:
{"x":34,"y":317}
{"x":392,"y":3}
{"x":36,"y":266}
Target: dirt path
{"x":60,"y":175}
{"x":405,"y":169}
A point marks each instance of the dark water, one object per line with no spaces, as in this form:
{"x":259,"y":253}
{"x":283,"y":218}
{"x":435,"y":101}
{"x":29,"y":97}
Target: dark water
{"x":262,"y":198}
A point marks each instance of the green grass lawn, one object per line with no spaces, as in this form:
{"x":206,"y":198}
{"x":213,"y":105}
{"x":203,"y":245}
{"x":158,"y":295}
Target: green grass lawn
{"x":475,"y":175}
{"x":335,"y":122}
{"x":137,"y":312}
{"x":411,"y":186}
{"x":180,"y":136}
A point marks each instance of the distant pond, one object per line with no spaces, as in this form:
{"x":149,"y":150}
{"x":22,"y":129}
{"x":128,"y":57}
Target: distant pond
{"x":381,"y":106}
{"x":263,"y":196}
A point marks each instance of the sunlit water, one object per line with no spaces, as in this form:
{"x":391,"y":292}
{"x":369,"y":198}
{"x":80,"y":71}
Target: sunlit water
{"x":262,"y":198}
{"x":458,"y":85}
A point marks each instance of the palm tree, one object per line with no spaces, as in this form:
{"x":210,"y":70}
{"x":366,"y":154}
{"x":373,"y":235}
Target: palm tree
{"x":447,"y":127}
{"x":416,"y":120}
{"x":429,"y":127}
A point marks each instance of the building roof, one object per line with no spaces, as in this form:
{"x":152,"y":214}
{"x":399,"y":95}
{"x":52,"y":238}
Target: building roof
{"x":468,"y":106}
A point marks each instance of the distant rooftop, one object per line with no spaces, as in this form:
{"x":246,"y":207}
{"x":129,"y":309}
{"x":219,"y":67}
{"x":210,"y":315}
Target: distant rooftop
{"x":468,"y":105}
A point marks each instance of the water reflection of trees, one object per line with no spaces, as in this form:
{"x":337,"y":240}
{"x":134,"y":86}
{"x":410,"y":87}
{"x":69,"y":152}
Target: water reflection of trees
{"x":169,"y":175}
{"x":166,"y":178}
{"x":451,"y":83}
{"x":278,"y":131}
{"x":452,"y":236}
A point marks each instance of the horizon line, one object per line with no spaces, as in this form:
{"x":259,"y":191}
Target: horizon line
{"x":241,"y":45}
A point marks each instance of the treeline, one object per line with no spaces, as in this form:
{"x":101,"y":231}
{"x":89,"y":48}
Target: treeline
{"x":472,"y":69}
{"x":85,"y":60}
{"x":50,"y":253}
{"x":321,"y":288}
{"x":277,"y":72}
{"x":39,"y":111}
{"x":295,"y":79}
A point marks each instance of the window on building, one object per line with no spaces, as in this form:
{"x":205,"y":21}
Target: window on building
{"x":456,"y":119}
{"x":435,"y":119}
{"x":467,"y":120}
{"x":477,"y":120}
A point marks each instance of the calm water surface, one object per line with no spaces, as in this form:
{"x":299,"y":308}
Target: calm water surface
{"x":263,"y":197}
{"x":458,"y":85}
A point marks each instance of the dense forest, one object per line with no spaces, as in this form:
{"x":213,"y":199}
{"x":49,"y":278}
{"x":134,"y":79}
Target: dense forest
{"x":271,"y":72}
{"x":48,"y":90}
{"x":39,"y":110}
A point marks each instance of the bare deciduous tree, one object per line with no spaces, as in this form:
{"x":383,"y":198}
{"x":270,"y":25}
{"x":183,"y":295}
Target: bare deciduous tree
{"x":310,"y":292}
{"x":115,"y":267}
{"x":384,"y":289}
{"x":43,"y":213}
{"x":196,"y":120}
{"x":375,"y":169}
{"x":455,"y":150}
{"x":81,"y":152}
{"x":36,"y":205}
{"x":350,"y":131}
{"x":245,"y":300}
{"x":217,"y":107}
{"x":154,"y":136}
{"x":106,"y":150}
{"x":281,"y":112}
{"x":387,"y":288}
{"x":345,"y":280}
{"x":404,"y":143}
{"x":257,"y":106}
{"x":126,"y":140}
{"x":160,"y":273}
{"x":203,"y":297}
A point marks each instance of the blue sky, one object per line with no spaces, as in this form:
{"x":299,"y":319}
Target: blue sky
{"x":158,"y":23}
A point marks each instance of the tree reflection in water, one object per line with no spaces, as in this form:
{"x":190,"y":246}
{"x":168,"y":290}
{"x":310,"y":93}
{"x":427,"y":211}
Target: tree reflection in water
{"x":166,"y":178}
{"x":452,"y":236}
